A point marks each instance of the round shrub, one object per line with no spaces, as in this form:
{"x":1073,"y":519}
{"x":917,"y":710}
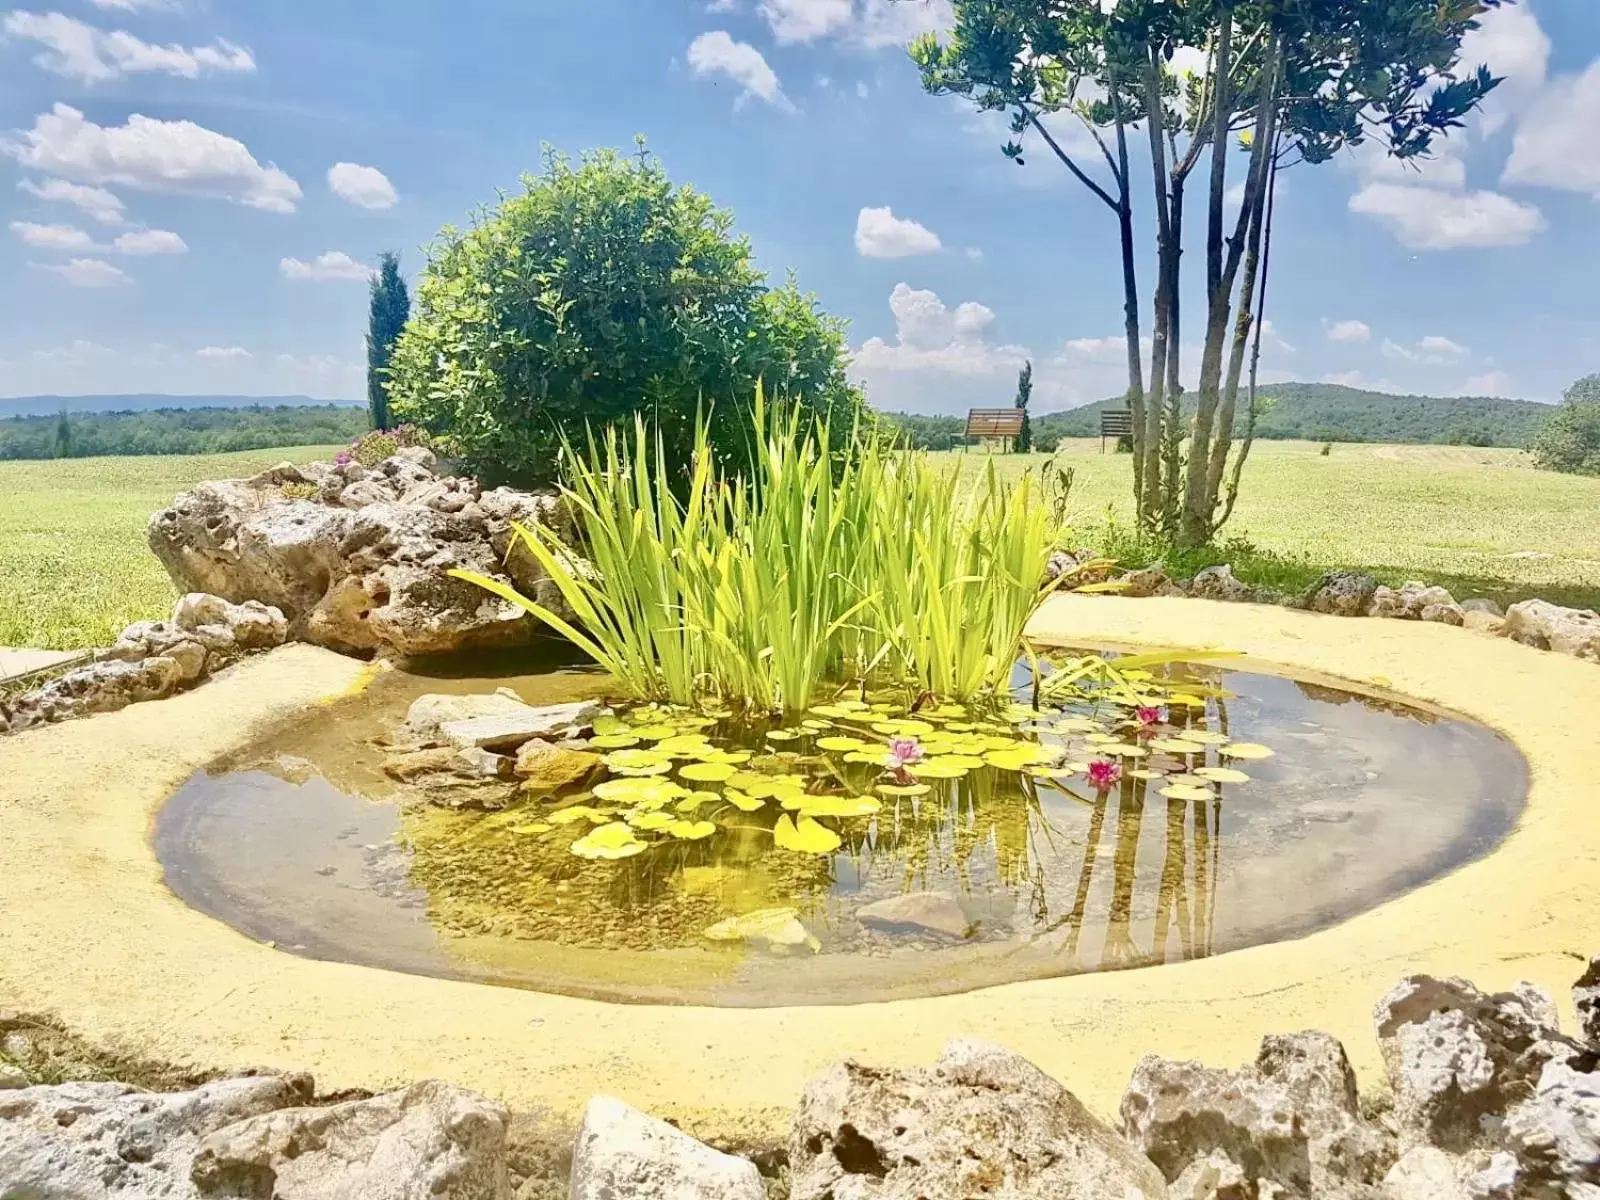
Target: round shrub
{"x":1569,"y":440}
{"x":600,"y":291}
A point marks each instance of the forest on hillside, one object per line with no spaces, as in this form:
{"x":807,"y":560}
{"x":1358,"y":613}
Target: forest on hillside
{"x":1320,"y":412}
{"x":178,"y":431}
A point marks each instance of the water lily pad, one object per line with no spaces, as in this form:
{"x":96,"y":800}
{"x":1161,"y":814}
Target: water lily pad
{"x":615,"y":840}
{"x":691,"y":831}
{"x":1123,"y":750}
{"x":1222,"y":774}
{"x":1205,"y":736}
{"x":1187,"y":791}
{"x":804,"y":836}
{"x":840,"y":742}
{"x":613,"y":741}
{"x":781,"y":735}
{"x":1078,"y":725}
{"x":694,"y":800}
{"x":1176,"y":746}
{"x":645,"y":819}
{"x":706,"y":772}
{"x":637,"y":762}
{"x":742,"y":801}
{"x":605,"y":724}
{"x":939,"y":768}
{"x":635,"y":790}
{"x":684,"y":745}
{"x":838,"y":806}
{"x":904,"y":789}
{"x":1142,"y":773}
{"x":655,"y":733}
{"x":1246,"y":750}
{"x":862,"y":757}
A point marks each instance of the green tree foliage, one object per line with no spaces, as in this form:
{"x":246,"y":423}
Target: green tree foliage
{"x":1570,"y":439}
{"x":179,"y":431}
{"x":601,"y":291}
{"x":1024,"y":394}
{"x":389,"y":307}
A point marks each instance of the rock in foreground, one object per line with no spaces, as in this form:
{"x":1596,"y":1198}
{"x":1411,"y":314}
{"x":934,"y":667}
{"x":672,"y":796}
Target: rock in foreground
{"x":981,"y":1121}
{"x":358,"y":558}
{"x":1550,"y":627}
{"x":622,"y":1153}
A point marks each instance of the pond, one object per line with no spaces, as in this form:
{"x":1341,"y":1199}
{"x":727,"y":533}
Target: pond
{"x":743,"y":864}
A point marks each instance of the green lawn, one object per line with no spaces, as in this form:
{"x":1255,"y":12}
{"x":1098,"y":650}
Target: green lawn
{"x":74,"y":568}
{"x":1480,"y":522}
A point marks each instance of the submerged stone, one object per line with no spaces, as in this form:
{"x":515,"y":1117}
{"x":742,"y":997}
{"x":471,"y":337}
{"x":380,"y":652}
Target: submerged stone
{"x":546,"y":768}
{"x":933,"y":911}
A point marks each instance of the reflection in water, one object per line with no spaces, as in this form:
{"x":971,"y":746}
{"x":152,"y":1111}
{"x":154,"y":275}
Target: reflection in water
{"x":1362,"y":801}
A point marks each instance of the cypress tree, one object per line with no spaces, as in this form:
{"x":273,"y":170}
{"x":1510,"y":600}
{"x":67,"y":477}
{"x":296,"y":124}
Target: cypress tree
{"x":1024,"y":394}
{"x":390,"y":306}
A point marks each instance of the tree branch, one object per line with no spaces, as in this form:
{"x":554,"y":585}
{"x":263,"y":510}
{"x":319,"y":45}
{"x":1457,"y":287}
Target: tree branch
{"x":1077,"y":171}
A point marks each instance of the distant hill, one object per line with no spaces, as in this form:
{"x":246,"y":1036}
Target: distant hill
{"x":42,"y":406}
{"x":1323,"y":412}
{"x":179,"y":430}
{"x":1330,"y":412}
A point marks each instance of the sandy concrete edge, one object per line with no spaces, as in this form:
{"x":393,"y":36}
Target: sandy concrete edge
{"x":89,"y":933}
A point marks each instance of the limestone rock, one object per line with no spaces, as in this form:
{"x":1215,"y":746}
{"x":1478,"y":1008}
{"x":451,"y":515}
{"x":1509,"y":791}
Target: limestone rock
{"x":1215,"y":1177}
{"x":1291,"y":1119}
{"x":1483,"y":622}
{"x":621,"y":1153}
{"x":1481,"y":604}
{"x":1457,"y":1059}
{"x":1586,"y":999}
{"x":477,"y":763}
{"x":1551,"y":627}
{"x":1555,"y":1133}
{"x":1145,"y":581}
{"x":12,"y":1078}
{"x":431,"y":1141}
{"x":508,"y":730}
{"x":407,"y":765}
{"x":1341,"y":593}
{"x":981,"y":1121}
{"x":92,"y":1140}
{"x":98,"y":687}
{"x":932,"y":911}
{"x":364,"y":565}
{"x":1081,"y":567}
{"x":1218,"y":583}
{"x":1426,"y":1173}
{"x":1415,"y":601}
{"x":548,"y":768}
{"x":433,"y":709}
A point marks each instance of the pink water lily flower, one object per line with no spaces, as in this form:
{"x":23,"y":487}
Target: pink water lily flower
{"x":903,"y":752}
{"x":1104,"y":774}
{"x":1148,"y":715}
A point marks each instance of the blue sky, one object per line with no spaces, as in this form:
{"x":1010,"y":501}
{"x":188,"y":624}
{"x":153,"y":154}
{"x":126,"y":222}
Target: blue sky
{"x":190,"y":191}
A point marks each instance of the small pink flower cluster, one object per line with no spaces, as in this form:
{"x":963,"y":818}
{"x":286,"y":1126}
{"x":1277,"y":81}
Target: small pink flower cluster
{"x":1104,"y":774}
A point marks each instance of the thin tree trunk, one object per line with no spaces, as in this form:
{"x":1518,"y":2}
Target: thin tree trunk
{"x":1255,"y":353}
{"x":1130,"y":299}
{"x":1172,"y":420}
{"x":1150,"y":499}
{"x":1200,"y":499}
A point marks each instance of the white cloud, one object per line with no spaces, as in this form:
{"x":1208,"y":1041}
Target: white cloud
{"x":154,"y":156}
{"x":224,"y":353}
{"x":1491,"y":383}
{"x":862,"y":90}
{"x":90,"y":273}
{"x":806,"y":20}
{"x":331,"y":264}
{"x":881,"y":234}
{"x":1431,"y":219}
{"x":150,"y":241}
{"x":1355,"y":379}
{"x":1432,"y":350}
{"x":716,"y":53}
{"x":75,"y":353}
{"x":1271,"y":339}
{"x":52,"y":237}
{"x":1556,"y":144}
{"x":1102,"y":349}
{"x":365,"y":187}
{"x":1347,"y":331}
{"x":722,"y":6}
{"x":95,"y":203}
{"x":136,"y":5}
{"x":870,"y":23}
{"x":1510,"y":43}
{"x":932,"y":337}
{"x":78,"y":51}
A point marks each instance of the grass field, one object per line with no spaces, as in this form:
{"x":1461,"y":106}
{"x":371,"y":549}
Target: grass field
{"x":74,"y":568}
{"x":1480,"y":522}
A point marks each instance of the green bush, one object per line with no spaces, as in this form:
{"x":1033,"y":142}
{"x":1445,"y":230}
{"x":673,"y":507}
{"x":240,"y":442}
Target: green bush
{"x":603,"y":291}
{"x":1570,"y":439}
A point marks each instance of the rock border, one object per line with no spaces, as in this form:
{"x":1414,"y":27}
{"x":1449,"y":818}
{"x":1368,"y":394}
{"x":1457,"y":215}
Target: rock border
{"x":90,"y":935}
{"x":1536,"y":623}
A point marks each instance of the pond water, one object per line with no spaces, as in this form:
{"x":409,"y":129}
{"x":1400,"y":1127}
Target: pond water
{"x":789,"y":864}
